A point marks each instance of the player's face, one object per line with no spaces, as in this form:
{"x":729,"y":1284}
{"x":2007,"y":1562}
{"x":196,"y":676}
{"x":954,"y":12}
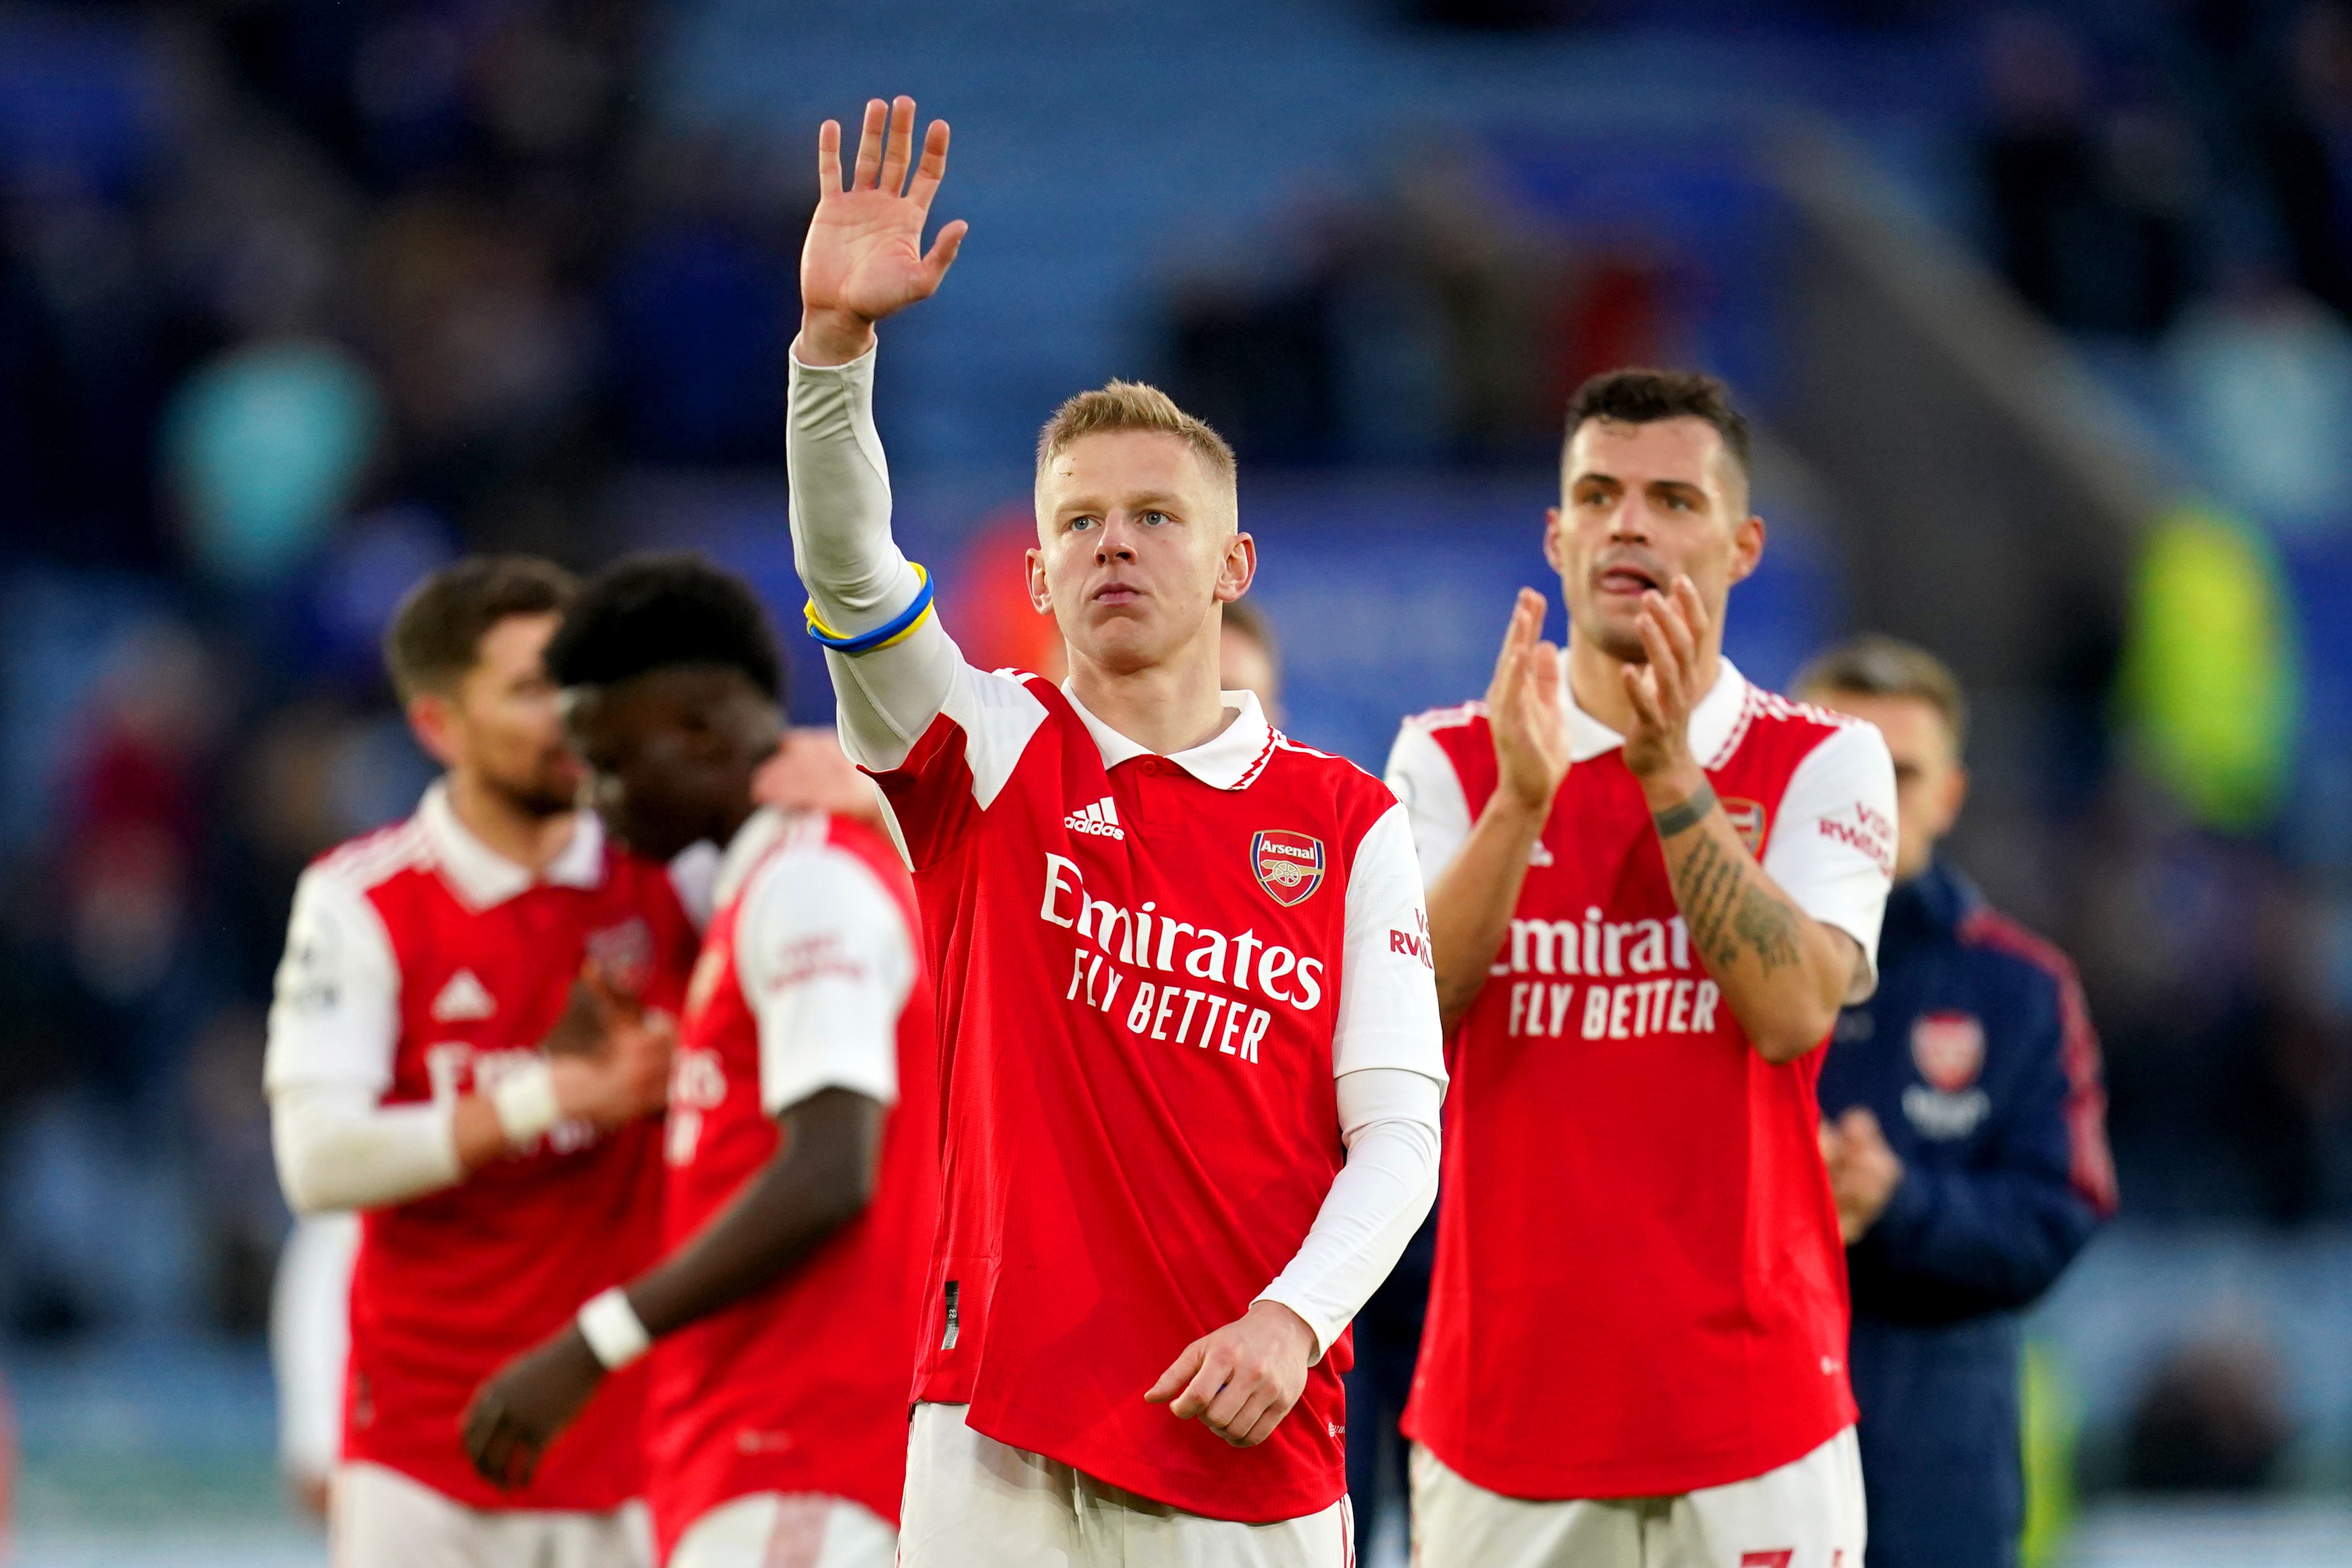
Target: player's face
{"x":1135,"y":542}
{"x":1930,"y":781}
{"x":502,"y":723}
{"x":650,"y":773}
{"x":1641,"y":505}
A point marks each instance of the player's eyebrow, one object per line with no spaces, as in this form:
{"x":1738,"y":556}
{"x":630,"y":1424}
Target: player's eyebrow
{"x":1664,"y":489}
{"x":1141,"y":500}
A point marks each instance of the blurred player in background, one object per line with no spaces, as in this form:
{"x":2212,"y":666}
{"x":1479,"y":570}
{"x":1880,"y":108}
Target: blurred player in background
{"x":803,"y":1139}
{"x":1652,"y":886}
{"x":310,"y":1351}
{"x":1191,"y":1065}
{"x":503,"y":1183}
{"x":811,"y":772}
{"x":1248,"y":658}
{"x":1965,"y":1138}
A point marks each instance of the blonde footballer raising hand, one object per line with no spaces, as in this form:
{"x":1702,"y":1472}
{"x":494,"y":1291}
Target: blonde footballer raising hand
{"x":1191,"y":1046}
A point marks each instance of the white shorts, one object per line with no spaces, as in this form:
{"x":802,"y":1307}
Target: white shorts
{"x":974,"y":1502}
{"x":779,"y":1530}
{"x":379,"y":1518}
{"x":1806,"y":1514}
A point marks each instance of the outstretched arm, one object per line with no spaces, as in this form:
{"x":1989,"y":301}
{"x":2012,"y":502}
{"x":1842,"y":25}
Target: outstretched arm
{"x":863,"y":260}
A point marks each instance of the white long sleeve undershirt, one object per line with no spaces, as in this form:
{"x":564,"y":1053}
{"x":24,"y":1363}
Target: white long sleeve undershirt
{"x":853,"y":569}
{"x":338,"y":1148}
{"x":1388,"y":1120}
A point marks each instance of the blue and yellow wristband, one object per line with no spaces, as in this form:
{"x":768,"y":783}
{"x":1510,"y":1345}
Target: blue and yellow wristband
{"x":898,"y":629}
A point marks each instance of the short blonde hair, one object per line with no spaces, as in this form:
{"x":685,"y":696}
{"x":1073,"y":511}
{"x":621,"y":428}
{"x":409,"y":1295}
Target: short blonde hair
{"x":1132,"y":406}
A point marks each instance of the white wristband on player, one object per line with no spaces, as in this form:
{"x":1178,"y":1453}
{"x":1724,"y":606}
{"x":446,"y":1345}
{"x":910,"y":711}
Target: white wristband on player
{"x":525,"y":1102}
{"x":610,"y":1326}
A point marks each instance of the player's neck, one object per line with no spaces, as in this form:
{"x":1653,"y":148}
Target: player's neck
{"x":1164,"y":708}
{"x":1596,"y":679}
{"x":504,"y":829}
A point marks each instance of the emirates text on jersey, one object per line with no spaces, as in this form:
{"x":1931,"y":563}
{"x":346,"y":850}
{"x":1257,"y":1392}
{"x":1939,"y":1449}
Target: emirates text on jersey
{"x":1149,"y":940}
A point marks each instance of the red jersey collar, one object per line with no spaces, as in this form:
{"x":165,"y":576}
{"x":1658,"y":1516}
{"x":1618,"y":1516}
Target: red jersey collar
{"x":1227,"y":760}
{"x":485,"y":878}
{"x":1711,"y":722}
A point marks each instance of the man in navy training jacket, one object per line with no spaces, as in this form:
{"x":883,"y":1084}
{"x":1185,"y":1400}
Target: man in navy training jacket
{"x":1965,"y":1134}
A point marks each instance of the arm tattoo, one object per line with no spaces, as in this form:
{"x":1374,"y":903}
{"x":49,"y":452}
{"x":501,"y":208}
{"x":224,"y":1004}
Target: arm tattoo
{"x":1687,"y":814}
{"x":1726,"y":913}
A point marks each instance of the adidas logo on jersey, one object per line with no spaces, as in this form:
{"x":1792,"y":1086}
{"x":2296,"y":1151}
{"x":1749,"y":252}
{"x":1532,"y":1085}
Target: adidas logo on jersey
{"x":1101,"y":819}
{"x":1541,"y":855}
{"x":463,"y":999}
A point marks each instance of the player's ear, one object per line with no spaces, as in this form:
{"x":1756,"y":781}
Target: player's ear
{"x":433,"y":720}
{"x":1956,"y":792}
{"x":1040,"y":598}
{"x":1746,"y":548}
{"x":1551,"y":538}
{"x":1238,"y":570}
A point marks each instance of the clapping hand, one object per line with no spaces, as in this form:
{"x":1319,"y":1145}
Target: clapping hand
{"x":1664,"y":691}
{"x":1524,"y":710}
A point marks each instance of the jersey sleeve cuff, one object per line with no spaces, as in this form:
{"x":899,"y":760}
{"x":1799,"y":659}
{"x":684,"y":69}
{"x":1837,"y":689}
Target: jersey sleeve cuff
{"x":782,"y":1095}
{"x":860,"y":367}
{"x":1323,"y":1332}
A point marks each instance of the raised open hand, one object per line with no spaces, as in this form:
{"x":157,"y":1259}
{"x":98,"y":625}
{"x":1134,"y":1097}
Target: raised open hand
{"x":864,"y":259}
{"x":1524,"y":710}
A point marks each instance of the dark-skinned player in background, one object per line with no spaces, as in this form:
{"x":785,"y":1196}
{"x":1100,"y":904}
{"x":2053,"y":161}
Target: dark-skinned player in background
{"x":1652,"y":885}
{"x":802,"y":1132}
{"x":1965,"y":1131}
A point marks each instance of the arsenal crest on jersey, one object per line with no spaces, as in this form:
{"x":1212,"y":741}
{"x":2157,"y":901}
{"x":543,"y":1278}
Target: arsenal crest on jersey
{"x":1747,"y":818}
{"x":1948,"y":1048}
{"x":1289,"y":866}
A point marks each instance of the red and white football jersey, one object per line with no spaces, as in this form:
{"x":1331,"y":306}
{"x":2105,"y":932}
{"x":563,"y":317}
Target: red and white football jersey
{"x":1640,"y":1287}
{"x":1150,"y":969}
{"x":811,"y":978}
{"x":420,"y":965}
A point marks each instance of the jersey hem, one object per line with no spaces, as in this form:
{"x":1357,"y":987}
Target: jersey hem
{"x":1149,"y":1486}
{"x":1582,"y":1483}
{"x":483,"y":1497}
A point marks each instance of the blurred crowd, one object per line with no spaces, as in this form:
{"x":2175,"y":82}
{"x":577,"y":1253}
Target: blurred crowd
{"x":305,"y":298}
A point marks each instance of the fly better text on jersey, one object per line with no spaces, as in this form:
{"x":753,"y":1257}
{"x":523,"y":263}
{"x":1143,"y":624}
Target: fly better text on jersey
{"x":1679,"y":1001}
{"x":1156,"y":945}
